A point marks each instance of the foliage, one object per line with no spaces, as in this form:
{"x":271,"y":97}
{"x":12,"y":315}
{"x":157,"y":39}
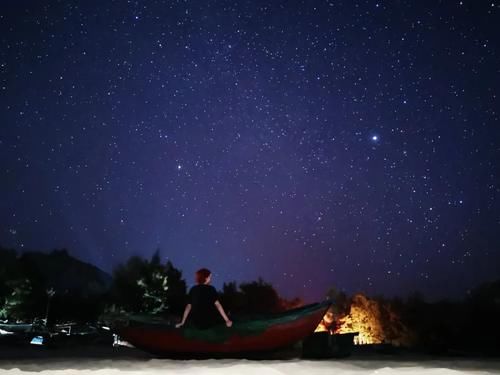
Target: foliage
{"x":18,"y":303}
{"x":153,"y":285}
{"x":442,"y":327}
{"x":8,"y":271}
{"x":82,"y":291}
{"x":25,"y":279}
{"x":150,"y":286}
{"x":142,"y":286}
{"x":176,"y":294}
{"x":341,"y":302}
{"x":254,"y":298}
{"x":261,"y":297}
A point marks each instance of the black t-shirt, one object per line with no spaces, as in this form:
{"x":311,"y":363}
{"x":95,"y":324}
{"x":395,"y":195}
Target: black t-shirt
{"x":203,"y":314}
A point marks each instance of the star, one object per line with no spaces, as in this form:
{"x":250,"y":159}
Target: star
{"x":333,"y":144}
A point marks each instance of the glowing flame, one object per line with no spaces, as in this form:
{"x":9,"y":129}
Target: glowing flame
{"x":364,"y":318}
{"x":374,"y":322}
{"x":326,"y":323}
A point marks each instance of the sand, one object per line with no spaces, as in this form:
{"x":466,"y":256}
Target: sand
{"x":108,"y":360}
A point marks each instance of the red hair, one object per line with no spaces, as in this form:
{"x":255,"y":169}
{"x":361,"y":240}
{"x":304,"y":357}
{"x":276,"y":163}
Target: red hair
{"x":202,"y":275}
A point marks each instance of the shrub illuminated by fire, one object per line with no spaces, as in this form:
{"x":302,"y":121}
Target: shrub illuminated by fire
{"x":374,"y":322}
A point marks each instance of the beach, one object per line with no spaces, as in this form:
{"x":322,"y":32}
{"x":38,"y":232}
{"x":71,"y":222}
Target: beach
{"x":109,"y":360}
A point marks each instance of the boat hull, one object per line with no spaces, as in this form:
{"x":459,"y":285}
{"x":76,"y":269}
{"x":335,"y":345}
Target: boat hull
{"x":258,"y":336}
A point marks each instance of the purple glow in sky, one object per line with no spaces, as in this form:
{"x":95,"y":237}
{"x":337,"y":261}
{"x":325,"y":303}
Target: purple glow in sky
{"x":346,"y":143}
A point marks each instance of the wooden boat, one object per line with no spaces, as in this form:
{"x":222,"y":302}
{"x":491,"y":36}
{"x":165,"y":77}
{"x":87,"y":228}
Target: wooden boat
{"x":257,"y":335}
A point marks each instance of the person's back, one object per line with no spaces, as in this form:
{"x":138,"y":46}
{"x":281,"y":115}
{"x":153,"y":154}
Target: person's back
{"x":204,"y":313}
{"x":203,"y":304}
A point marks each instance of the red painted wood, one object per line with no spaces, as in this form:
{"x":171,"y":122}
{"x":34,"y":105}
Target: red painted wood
{"x":172,"y":340}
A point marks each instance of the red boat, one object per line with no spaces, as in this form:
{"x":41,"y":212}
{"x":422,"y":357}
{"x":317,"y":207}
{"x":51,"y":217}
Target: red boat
{"x":257,"y":335}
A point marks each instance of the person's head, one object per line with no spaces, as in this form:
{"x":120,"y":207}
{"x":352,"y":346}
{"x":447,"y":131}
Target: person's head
{"x":203,"y":276}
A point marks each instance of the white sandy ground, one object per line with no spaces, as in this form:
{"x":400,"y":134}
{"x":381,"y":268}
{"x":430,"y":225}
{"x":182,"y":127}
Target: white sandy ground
{"x":81,"y":366}
{"x":104,"y":360}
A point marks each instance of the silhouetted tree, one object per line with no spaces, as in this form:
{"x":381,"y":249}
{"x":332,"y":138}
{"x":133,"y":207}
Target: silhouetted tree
{"x":18,"y":304}
{"x":232,"y":299}
{"x":9,"y":270}
{"x":253,"y":298}
{"x":260,"y":297}
{"x":481,"y":323}
{"x":142,"y":286}
{"x":126,"y":294}
{"x":176,"y":294}
{"x":341,"y":302}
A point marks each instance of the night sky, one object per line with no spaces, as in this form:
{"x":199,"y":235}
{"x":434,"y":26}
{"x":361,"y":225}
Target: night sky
{"x":353,"y":144}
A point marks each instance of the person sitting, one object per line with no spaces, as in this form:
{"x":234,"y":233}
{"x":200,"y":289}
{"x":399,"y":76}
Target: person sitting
{"x":203,"y":304}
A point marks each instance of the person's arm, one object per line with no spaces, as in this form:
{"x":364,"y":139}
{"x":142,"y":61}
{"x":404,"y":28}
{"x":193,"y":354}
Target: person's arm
{"x":229,"y":323}
{"x":184,"y":317}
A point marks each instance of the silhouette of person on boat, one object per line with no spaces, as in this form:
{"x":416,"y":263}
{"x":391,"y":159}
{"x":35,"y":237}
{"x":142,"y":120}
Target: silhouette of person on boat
{"x":203,"y":309}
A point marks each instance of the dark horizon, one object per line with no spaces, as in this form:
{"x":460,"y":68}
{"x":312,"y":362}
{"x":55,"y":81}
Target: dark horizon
{"x":284,"y":293}
{"x":314,"y":144}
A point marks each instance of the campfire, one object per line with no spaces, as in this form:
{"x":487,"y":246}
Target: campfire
{"x":374,"y":323}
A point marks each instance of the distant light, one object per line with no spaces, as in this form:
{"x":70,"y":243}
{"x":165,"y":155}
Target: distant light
{"x":375,"y":138}
{"x":179,"y":167}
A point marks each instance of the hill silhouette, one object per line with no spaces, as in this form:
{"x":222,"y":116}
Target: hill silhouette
{"x":64,"y":273}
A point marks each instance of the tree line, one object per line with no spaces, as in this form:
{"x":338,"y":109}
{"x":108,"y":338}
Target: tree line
{"x":62,"y":288}
{"x":452,"y":327}
{"x":58,"y":287}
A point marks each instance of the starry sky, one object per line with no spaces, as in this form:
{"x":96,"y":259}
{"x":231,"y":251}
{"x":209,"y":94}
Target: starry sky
{"x":353,"y":144}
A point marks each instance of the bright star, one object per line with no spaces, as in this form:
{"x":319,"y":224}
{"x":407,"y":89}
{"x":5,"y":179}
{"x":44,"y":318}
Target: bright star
{"x":375,"y":138}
